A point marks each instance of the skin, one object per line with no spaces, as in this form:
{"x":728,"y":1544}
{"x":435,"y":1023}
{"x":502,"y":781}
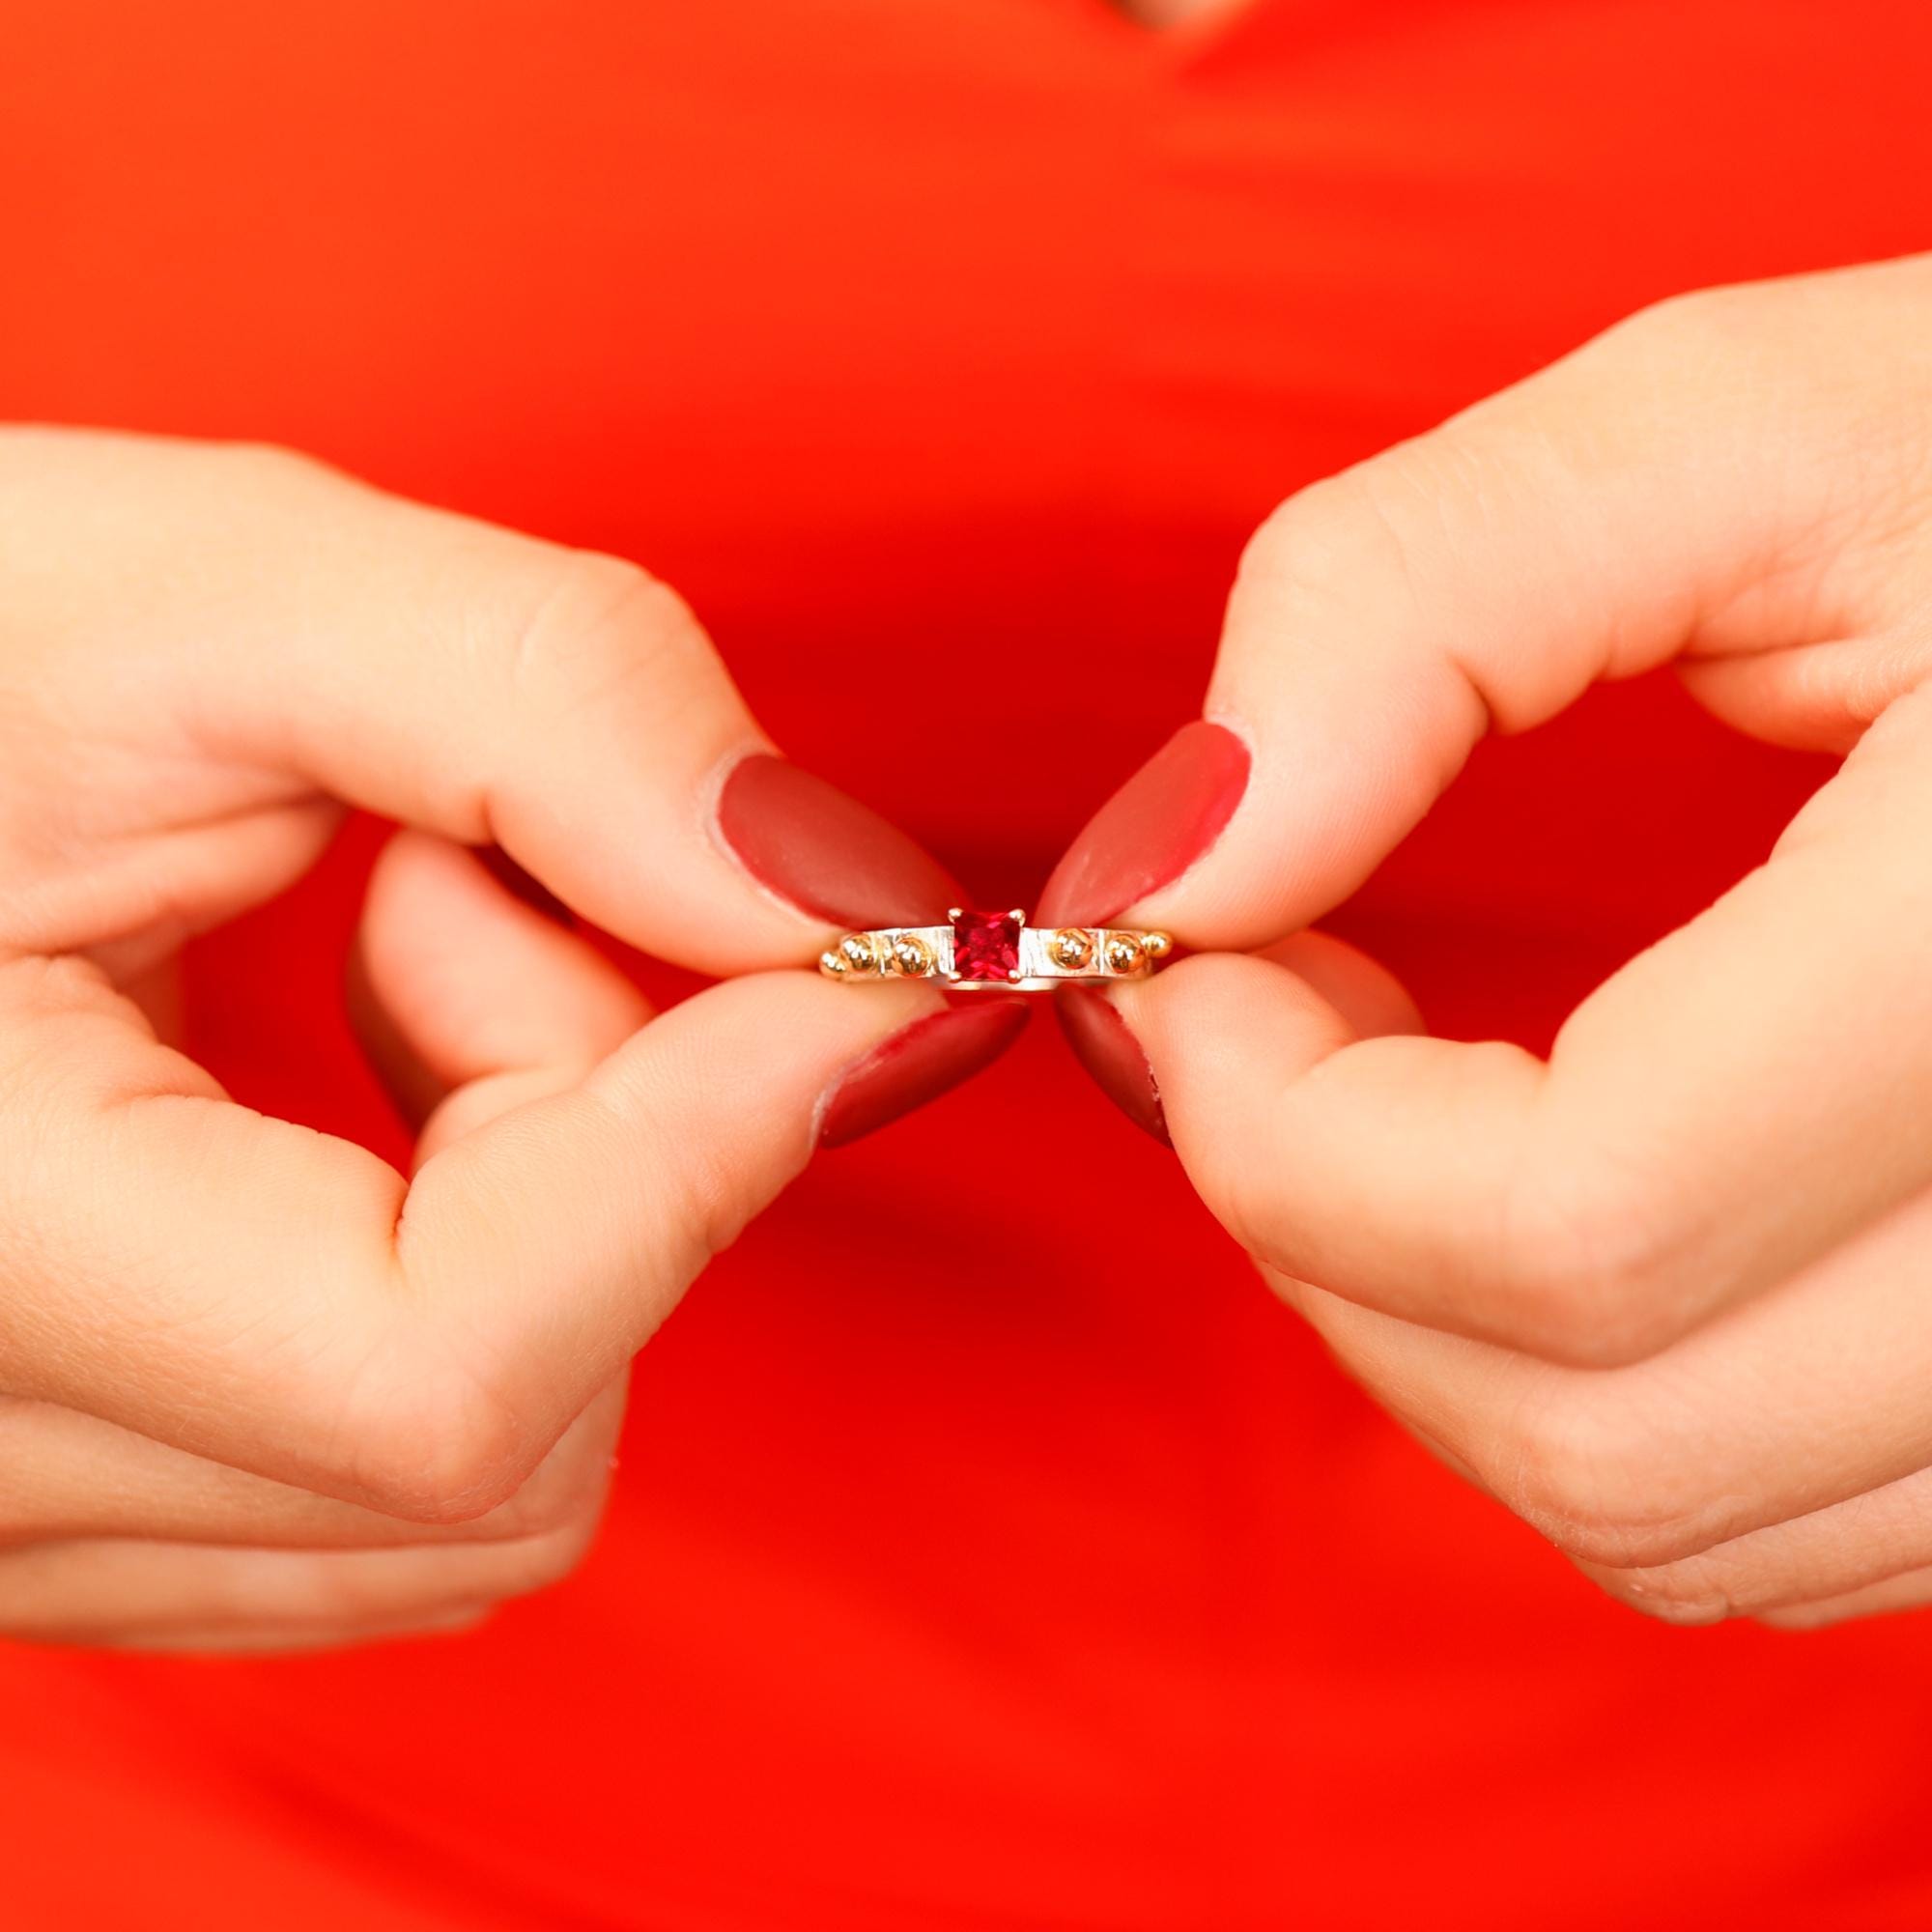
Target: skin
{"x":258,"y":1390}
{"x":1664,"y":1294}
{"x":1659,"y":1294}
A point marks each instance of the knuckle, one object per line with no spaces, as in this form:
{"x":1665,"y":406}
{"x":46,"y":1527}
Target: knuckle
{"x":1584,"y":1469}
{"x":458,"y":1468}
{"x":596,"y":629}
{"x":1317,"y":545}
{"x":1660,"y":322}
{"x":260,"y":469}
{"x":1678,"y":1594}
{"x":1685,"y":315}
{"x":1587,"y":1265}
{"x":274,"y":457}
{"x":428,"y":1442}
{"x":1712,"y":332}
{"x":1397,"y":535}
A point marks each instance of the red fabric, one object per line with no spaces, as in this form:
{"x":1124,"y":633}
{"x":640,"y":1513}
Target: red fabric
{"x":941,"y":352}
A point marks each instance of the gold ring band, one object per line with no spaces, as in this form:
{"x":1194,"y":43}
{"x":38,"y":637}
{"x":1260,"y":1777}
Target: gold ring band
{"x":996,"y":950}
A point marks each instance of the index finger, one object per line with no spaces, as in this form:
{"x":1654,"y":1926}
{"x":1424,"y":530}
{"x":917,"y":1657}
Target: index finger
{"x":1729,"y":1107}
{"x":1710,"y":481}
{"x":284,"y":632}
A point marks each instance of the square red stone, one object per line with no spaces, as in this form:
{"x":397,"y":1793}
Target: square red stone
{"x":985,"y":946}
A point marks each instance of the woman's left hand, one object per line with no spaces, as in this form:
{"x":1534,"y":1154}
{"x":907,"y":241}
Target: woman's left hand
{"x":1668,"y":1296}
{"x":258,"y":1388}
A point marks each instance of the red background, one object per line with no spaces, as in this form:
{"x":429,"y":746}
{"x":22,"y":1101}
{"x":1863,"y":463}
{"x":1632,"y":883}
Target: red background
{"x":943,"y":352}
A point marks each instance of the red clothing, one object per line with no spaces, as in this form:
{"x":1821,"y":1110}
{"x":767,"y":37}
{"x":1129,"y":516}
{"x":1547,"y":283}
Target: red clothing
{"x":943,"y":352}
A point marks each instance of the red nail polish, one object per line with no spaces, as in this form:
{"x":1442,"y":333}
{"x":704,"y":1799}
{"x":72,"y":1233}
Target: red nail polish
{"x":1151,"y":830}
{"x":918,"y":1062}
{"x":828,"y":855}
{"x":1105,"y":1046}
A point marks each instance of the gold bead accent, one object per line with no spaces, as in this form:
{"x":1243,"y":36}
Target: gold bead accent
{"x":1157,"y":945}
{"x":835,"y":965}
{"x":911,"y":957}
{"x":1122,"y":952}
{"x":858,"y":952}
{"x":1072,"y":947}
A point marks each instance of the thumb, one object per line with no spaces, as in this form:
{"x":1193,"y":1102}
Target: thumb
{"x":1660,"y":490}
{"x":427,"y":1341}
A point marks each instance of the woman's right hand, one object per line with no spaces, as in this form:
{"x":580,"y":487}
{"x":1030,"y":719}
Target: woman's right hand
{"x":257,"y":1388}
{"x":1663,"y":1291}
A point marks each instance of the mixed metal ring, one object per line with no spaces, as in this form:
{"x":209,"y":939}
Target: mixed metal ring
{"x":996,"y":949}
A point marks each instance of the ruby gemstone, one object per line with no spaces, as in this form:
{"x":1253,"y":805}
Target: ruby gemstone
{"x":985,"y":946}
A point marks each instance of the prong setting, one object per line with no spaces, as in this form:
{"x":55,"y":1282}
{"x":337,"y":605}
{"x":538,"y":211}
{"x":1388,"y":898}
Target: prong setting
{"x":986,"y":947}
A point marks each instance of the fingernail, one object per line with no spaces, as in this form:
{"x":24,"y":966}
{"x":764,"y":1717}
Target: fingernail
{"x":825,"y":852}
{"x":1152,"y":829}
{"x":521,"y":885}
{"x":920,"y":1063}
{"x":1103,"y":1043}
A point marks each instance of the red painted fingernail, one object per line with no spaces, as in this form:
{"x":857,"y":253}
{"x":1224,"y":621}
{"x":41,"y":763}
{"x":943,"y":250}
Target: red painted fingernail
{"x":918,"y":1062}
{"x":524,"y":885}
{"x":1151,"y":830}
{"x":1104,"y":1046}
{"x":828,"y":855}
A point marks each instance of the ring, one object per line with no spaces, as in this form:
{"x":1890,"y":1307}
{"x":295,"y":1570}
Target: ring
{"x":996,"y":949}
